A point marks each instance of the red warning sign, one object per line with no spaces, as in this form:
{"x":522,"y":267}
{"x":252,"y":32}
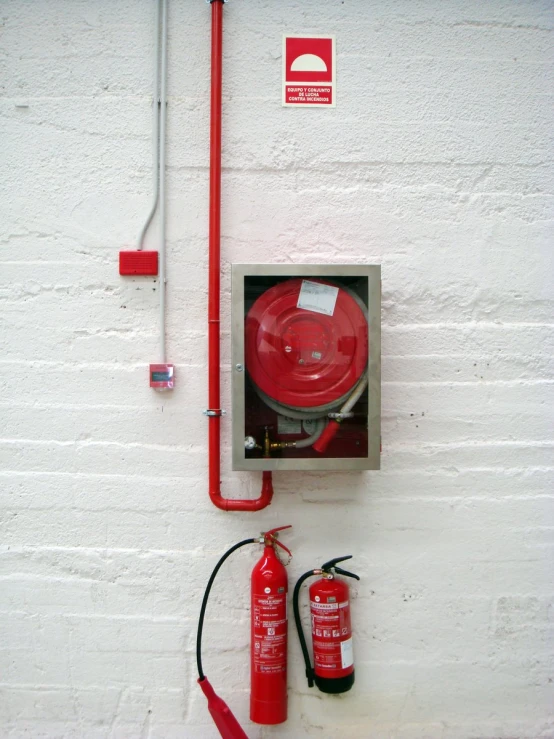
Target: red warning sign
{"x":309,"y":71}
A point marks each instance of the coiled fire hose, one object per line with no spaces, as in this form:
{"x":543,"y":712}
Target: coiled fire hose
{"x":309,"y":363}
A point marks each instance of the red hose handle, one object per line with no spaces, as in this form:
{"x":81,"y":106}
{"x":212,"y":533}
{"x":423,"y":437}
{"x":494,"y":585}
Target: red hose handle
{"x":329,"y":433}
{"x":223,"y":717}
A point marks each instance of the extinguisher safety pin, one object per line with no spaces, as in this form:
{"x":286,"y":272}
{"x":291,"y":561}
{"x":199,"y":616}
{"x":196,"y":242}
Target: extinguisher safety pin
{"x":287,"y":550}
{"x":272,"y":537}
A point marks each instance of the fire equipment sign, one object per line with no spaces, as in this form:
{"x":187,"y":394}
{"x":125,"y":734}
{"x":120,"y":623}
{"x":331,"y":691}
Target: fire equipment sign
{"x":309,"y":71}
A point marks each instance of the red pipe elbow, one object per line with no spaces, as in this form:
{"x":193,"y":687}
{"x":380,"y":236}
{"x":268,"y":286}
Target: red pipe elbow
{"x":234,"y":504}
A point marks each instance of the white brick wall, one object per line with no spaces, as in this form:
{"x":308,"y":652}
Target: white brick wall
{"x":435,"y":163}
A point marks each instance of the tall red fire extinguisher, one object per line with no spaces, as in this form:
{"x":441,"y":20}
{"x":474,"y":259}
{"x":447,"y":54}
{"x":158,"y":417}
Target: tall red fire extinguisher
{"x":268,"y":648}
{"x":333,"y":670}
{"x":268,"y":662}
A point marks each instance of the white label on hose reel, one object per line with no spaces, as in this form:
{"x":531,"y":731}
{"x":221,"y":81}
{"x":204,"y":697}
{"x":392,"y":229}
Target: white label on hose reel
{"x":317,"y":297}
{"x":287,"y":425}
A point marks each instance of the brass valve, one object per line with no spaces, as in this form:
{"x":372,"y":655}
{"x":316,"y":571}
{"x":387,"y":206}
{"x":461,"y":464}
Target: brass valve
{"x":270,"y":446}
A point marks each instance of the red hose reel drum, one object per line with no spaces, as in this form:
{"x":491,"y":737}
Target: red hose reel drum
{"x":301,"y":357}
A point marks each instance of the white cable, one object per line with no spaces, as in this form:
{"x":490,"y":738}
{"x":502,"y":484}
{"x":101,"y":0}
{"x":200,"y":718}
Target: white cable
{"x":163,"y":106}
{"x":155,"y":134}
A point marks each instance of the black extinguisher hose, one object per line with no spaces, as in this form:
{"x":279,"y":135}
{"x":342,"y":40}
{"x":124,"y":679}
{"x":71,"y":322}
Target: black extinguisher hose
{"x":205,"y":601}
{"x":309,"y":669}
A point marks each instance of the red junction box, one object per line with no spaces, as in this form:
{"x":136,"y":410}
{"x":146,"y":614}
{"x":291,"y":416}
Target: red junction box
{"x":138,"y":262}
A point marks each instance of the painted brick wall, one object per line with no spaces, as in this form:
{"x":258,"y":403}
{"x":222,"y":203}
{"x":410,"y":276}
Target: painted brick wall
{"x":435,"y":164}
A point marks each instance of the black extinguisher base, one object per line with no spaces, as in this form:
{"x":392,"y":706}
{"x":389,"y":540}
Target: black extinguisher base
{"x":335,"y":684}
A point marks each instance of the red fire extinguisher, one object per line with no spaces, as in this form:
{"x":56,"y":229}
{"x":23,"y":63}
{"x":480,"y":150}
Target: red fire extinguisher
{"x":268,"y":648}
{"x":268,"y":662}
{"x":333,"y":670}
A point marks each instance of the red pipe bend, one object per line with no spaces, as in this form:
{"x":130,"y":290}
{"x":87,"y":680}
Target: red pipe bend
{"x":235,"y":504}
{"x":214,"y":399}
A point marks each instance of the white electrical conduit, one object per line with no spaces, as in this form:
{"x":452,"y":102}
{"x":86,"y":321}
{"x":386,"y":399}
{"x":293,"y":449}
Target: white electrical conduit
{"x":159,"y":138}
{"x":155,"y":134}
{"x":163,"y":115}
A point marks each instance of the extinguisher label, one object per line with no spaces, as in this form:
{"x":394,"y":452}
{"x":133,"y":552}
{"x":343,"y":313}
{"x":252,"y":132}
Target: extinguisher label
{"x":326,"y":606}
{"x":346,"y":653}
{"x":270,"y":633}
{"x":332,"y":637}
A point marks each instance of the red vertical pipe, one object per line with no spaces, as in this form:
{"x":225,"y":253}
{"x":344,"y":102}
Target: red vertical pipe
{"x":214,"y":264}
{"x":214,"y":267}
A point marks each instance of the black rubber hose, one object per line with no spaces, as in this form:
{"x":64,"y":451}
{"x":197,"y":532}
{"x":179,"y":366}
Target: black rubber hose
{"x":309,"y":669}
{"x":205,"y":601}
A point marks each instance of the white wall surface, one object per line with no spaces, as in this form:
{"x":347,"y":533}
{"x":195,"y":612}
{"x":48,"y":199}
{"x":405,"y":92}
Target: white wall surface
{"x":435,"y":163}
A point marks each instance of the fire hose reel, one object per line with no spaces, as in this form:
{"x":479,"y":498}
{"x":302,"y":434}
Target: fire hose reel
{"x":306,"y":358}
{"x":300,"y":357}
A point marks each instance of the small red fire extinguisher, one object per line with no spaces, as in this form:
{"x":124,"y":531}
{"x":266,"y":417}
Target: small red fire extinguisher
{"x":268,"y":661}
{"x":333,"y":670}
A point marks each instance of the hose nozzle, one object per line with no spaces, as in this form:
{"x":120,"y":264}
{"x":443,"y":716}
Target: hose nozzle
{"x":223,"y":717}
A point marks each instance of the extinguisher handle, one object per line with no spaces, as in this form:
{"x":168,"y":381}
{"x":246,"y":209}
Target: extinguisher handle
{"x":340,"y":571}
{"x":332,"y":565}
{"x":279,"y":528}
{"x":310,"y":672}
{"x":326,"y":566}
